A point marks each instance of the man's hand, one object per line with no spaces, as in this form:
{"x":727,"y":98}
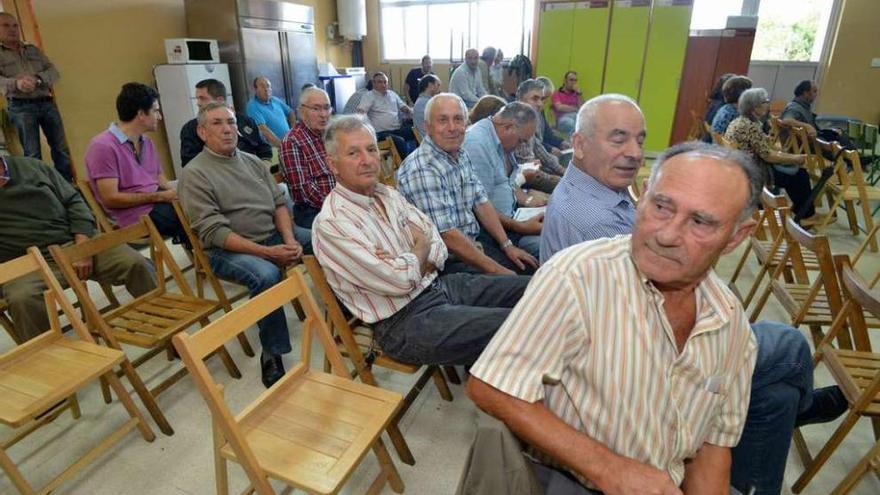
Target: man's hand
{"x":555,"y":151}
{"x":520,"y":258}
{"x":532,"y":226}
{"x":629,"y":477}
{"x":167,"y":195}
{"x":26,"y":83}
{"x":84,"y":266}
{"x":283,"y":255}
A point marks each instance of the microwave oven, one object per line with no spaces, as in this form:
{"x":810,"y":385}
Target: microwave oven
{"x":192,"y":51}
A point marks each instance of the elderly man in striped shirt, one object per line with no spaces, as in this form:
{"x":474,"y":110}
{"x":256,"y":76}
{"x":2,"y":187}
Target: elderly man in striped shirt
{"x":592,"y":202}
{"x":382,"y":257}
{"x":642,"y":381}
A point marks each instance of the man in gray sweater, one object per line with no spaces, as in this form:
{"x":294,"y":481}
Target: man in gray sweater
{"x":241,"y":218}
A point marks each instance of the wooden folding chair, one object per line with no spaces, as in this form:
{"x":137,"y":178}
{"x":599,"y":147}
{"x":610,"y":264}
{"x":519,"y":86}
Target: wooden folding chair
{"x":768,"y":243}
{"x":103,"y":221}
{"x":418,"y":134}
{"x":716,"y":137}
{"x":695,"y":131}
{"x":39,"y":379}
{"x":148,"y":321}
{"x":355,"y":341}
{"x":853,"y":187}
{"x":310,"y":429}
{"x":857,"y":373}
{"x":391,"y":160}
{"x":203,"y":272}
{"x":816,"y":303}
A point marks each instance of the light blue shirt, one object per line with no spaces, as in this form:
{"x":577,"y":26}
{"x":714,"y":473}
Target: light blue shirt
{"x":583,"y":209}
{"x":487,"y":156}
{"x":272,"y":113}
{"x":418,"y":112}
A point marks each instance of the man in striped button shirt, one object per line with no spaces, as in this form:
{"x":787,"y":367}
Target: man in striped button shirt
{"x":641,"y":382}
{"x":382,"y":257}
{"x":592,"y":202}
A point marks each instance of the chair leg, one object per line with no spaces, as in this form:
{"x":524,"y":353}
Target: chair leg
{"x":130,"y":406}
{"x":73,"y":402}
{"x":245,"y":345}
{"x":810,"y":471}
{"x":388,"y":466}
{"x":441,"y":385}
{"x":105,"y":391}
{"x":146,"y":397}
{"x":871,"y":462}
{"x":452,"y":375}
{"x":228,"y":363}
{"x":299,"y":310}
{"x":400,"y":444}
{"x":869,"y":224}
{"x":14,"y":474}
{"x":221,"y":475}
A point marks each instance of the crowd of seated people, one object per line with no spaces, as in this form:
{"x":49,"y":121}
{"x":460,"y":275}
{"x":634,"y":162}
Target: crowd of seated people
{"x":576,"y":323}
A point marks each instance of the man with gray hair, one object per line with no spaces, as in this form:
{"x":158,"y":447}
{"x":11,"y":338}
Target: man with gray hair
{"x":439,"y":179}
{"x":490,"y":144}
{"x":781,"y":393}
{"x":241,"y":217}
{"x":592,"y":200}
{"x":303,"y":158}
{"x":466,"y":80}
{"x":532,"y":93}
{"x":382,"y":257}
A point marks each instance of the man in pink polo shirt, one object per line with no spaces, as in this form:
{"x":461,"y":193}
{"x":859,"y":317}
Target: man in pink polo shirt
{"x":124,"y":167}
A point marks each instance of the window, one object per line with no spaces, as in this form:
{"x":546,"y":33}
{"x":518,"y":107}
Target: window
{"x":791,"y":30}
{"x":445,"y":28}
{"x":712,"y":14}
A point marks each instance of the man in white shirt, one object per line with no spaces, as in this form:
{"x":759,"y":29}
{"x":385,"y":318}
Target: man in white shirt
{"x":383,"y":107}
{"x":466,"y":81}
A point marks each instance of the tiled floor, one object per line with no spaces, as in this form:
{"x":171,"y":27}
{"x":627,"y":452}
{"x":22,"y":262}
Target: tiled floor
{"x":438,"y":432}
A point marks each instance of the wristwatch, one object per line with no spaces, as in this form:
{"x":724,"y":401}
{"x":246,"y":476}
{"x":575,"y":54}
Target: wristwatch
{"x":506,"y":244}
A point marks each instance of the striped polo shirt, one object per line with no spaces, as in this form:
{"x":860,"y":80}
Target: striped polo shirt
{"x":591,"y":323}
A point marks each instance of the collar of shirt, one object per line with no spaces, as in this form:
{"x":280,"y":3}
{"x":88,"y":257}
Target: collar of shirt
{"x":121,"y":136}
{"x":436,"y":150}
{"x":604,"y":195}
{"x":365,"y":202}
{"x":222,"y":157}
{"x":713,"y":309}
{"x":487,"y":128}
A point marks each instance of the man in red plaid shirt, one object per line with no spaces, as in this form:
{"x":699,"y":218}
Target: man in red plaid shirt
{"x":303,"y":159}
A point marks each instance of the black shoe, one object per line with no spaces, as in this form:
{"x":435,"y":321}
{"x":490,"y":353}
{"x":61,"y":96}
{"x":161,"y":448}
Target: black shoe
{"x":828,"y":404}
{"x":273,"y":368}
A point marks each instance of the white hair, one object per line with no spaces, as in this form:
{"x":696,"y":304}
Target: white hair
{"x":452,"y":96}
{"x":587,"y":112}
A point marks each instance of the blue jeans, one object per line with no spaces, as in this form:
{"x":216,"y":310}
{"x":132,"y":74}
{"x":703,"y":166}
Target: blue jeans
{"x":259,"y":274}
{"x":28,"y":118}
{"x":782,"y":386}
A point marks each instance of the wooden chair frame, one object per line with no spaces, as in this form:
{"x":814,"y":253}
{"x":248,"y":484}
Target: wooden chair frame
{"x":148,"y":321}
{"x":49,"y":368}
{"x":240,"y":437}
{"x":852,"y":186}
{"x":814,"y":304}
{"x":857,"y":372}
{"x":203,"y":272}
{"x":352,"y":344}
{"x":388,"y":172}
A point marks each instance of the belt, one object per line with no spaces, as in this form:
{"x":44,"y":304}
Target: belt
{"x":41,"y":99}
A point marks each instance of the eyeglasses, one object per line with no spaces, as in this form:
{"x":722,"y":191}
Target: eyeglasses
{"x":318,"y":108}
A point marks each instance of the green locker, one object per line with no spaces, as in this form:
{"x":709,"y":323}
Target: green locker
{"x":626,"y":46}
{"x":589,"y":40}
{"x":554,"y":39}
{"x":667,"y":43}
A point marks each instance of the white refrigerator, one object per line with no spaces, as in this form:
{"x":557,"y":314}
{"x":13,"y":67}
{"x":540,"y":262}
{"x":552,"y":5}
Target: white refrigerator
{"x":177,"y":97}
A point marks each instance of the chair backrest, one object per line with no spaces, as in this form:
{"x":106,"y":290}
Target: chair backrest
{"x":696,"y":129}
{"x":54,"y":296}
{"x":201,"y":265}
{"x":775,"y":127}
{"x":143,"y":230}
{"x":798,"y":239}
{"x":388,"y":169}
{"x":418,"y":134}
{"x":194,"y":348}
{"x":716,"y":137}
{"x":104,"y":222}
{"x":859,"y":290}
{"x":776,"y":210}
{"x":870,"y":139}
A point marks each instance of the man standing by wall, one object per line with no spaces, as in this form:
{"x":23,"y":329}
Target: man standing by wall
{"x":273,"y":116}
{"x":26,"y":78}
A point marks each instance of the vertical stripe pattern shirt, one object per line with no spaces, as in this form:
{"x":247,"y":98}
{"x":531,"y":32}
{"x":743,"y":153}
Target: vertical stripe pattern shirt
{"x":590,"y":339}
{"x":364,"y":244}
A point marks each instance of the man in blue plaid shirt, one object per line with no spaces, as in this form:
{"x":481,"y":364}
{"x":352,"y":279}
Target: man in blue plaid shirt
{"x":439,"y":179}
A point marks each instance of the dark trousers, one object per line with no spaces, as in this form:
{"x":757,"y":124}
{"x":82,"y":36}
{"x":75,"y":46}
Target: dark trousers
{"x":167,"y":223}
{"x":31,"y":116}
{"x":798,"y":188}
{"x":452,"y":320}
{"x":304,"y":215}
